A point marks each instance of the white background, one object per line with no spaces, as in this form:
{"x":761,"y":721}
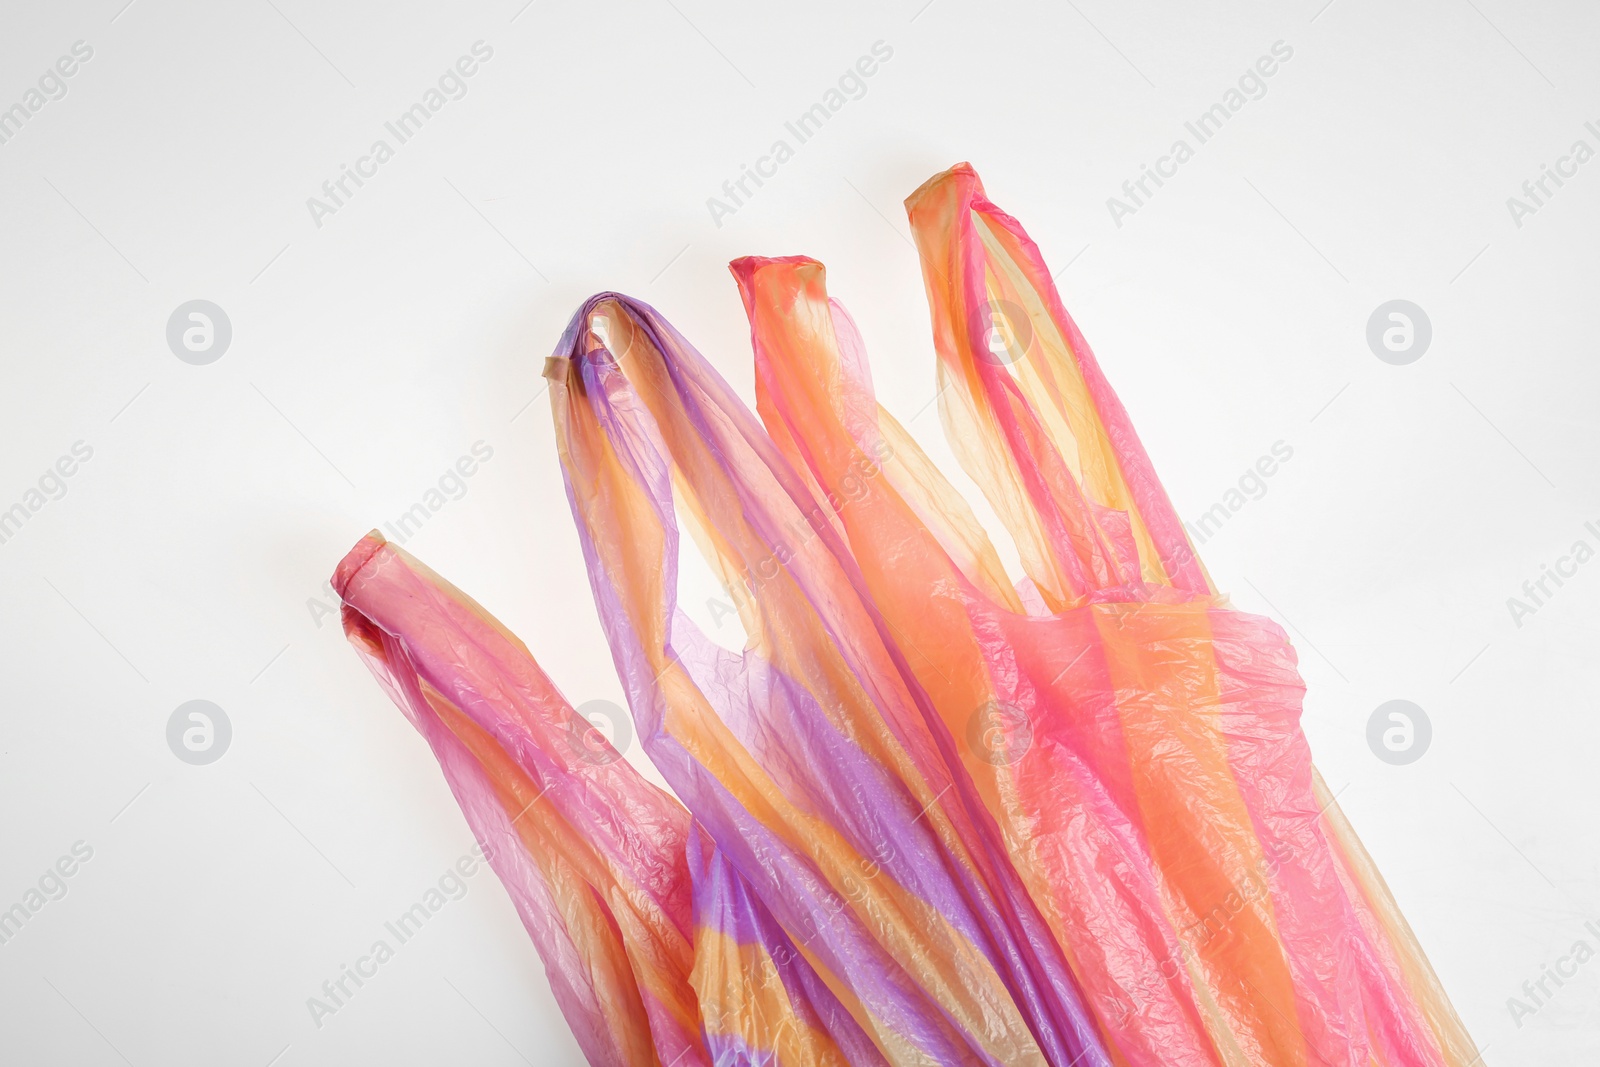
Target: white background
{"x":185,"y":560}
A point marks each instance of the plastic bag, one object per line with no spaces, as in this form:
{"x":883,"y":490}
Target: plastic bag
{"x":657,"y":951}
{"x":1361,"y":983}
{"x":760,"y":1002}
{"x":809,"y":758}
{"x":592,"y":855}
{"x":1137,"y":739}
{"x":937,"y":818}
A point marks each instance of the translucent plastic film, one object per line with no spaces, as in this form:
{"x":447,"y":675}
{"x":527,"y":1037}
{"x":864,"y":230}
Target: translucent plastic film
{"x":592,"y":855}
{"x":759,"y":999}
{"x":808,"y":758}
{"x":1295,"y":924}
{"x":930,"y":813}
{"x":1138,"y":740}
{"x":657,"y":950}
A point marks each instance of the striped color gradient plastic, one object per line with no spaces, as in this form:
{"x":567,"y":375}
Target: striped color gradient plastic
{"x":929,"y":815}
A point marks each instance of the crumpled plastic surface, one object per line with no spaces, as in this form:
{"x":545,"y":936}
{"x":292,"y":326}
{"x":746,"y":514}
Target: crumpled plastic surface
{"x":808,"y":758}
{"x":593,"y":855}
{"x":760,"y":1000}
{"x":933,"y":817}
{"x":657,"y":951}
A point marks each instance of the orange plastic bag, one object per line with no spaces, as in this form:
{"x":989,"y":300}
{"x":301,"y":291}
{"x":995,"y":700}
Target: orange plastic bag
{"x":1137,"y":738}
